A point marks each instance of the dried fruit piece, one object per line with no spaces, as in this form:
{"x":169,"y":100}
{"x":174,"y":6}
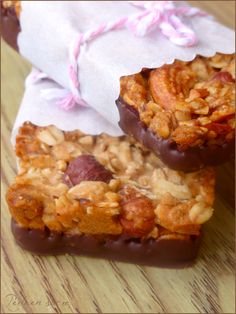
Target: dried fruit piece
{"x":86,"y":168}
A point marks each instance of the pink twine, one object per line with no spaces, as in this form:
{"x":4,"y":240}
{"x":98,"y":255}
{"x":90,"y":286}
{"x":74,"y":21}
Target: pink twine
{"x":162,"y":14}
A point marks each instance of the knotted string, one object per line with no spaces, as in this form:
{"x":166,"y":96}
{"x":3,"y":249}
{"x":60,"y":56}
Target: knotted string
{"x":155,"y":14}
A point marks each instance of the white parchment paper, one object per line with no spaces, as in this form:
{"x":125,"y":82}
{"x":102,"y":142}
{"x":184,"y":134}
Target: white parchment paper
{"x":35,"y":108}
{"x":49,"y":28}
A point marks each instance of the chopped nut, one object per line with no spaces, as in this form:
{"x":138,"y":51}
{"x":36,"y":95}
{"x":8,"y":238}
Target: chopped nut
{"x":66,"y":151}
{"x":152,"y":106}
{"x":46,"y":137}
{"x":113,"y":197}
{"x":199,"y":106}
{"x":51,"y":135}
{"x":182,"y":106}
{"x":173,"y":215}
{"x":116,"y":163}
{"x":108,"y":204}
{"x":200,"y":213}
{"x":89,"y":210}
{"x":183,"y":115}
{"x":125,"y":155}
{"x":114,"y":184}
{"x":162,"y":124}
{"x":219,"y":61}
{"x":61,"y":164}
{"x":160,"y":186}
{"x":153,"y":234}
{"x":92,"y":190}
{"x":144,"y":180}
{"x":204,"y":120}
{"x":197,"y":93}
{"x":132,"y":168}
{"x":86,"y":140}
{"x":44,"y":147}
{"x":137,"y":214}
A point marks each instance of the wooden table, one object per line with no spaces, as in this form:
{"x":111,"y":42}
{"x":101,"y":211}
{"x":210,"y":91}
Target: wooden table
{"x":69,"y":284}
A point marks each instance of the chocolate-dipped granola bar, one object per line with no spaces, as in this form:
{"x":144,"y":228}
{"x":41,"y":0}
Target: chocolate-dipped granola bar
{"x":107,"y":197}
{"x":184,"y":112}
{"x":10,"y":25}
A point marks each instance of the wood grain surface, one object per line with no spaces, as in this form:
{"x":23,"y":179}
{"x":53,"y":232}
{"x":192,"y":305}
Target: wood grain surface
{"x":73,"y":284}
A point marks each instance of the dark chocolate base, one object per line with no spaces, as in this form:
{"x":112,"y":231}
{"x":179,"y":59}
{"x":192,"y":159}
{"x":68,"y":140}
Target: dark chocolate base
{"x":190,"y":160}
{"x":10,"y":26}
{"x":171,"y":253}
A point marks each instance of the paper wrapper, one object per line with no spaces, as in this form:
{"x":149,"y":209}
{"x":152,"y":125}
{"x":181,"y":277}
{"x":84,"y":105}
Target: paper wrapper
{"x":38,"y":111}
{"x":48,"y":30}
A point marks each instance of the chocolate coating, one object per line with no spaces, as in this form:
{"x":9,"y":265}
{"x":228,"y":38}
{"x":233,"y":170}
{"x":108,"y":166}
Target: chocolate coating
{"x":10,"y":26}
{"x":190,"y":160}
{"x":171,"y":253}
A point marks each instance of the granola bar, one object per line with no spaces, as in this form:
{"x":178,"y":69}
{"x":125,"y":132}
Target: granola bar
{"x":81,"y":188}
{"x":184,"y":112}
